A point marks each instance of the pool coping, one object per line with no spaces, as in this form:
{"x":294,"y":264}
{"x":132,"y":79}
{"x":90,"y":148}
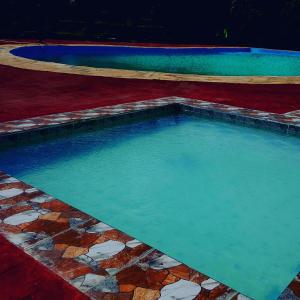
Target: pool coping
{"x":9,"y":59}
{"x":69,"y":241}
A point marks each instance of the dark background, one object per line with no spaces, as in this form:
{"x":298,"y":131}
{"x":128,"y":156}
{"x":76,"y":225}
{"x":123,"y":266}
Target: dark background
{"x":257,"y":23}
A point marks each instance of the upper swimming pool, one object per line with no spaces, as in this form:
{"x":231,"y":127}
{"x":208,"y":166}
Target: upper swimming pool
{"x":199,"y":61}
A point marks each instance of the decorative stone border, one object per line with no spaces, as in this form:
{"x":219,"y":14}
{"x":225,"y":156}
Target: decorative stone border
{"x":7,"y":58}
{"x":99,"y":260}
{"x":286,"y":123}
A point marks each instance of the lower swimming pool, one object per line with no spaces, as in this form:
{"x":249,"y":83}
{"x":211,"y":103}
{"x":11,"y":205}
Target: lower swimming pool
{"x":219,"y":197}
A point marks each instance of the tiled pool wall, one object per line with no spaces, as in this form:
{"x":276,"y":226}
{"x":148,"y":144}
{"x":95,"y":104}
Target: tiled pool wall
{"x":99,"y":260}
{"x":89,"y":121}
{"x":288,"y":123}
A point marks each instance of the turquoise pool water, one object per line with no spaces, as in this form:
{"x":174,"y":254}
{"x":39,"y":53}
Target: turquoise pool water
{"x":221,"y":198}
{"x":204,"y":61}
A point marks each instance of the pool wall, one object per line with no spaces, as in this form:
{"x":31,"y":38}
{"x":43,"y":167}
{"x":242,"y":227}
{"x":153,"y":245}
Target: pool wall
{"x":39,"y":52}
{"x":56,"y":234}
{"x":32,"y":128}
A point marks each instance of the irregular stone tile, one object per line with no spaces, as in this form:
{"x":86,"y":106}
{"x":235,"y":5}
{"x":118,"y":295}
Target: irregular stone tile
{"x":8,"y":180}
{"x":89,"y":262}
{"x":99,"y":228}
{"x":53,"y":216}
{"x":73,"y":221}
{"x":46,"y":226}
{"x":108,"y":285}
{"x":126,"y":288}
{"x":163,"y":262}
{"x":20,"y":200}
{"x":124,"y":257}
{"x":155,"y":278}
{"x":6,"y":203}
{"x":145,"y":294}
{"x":7,"y":229}
{"x":10,"y":193}
{"x":61,"y":119}
{"x":72,"y":251}
{"x":74,"y":216}
{"x":55,"y":205}
{"x":140,"y":277}
{"x":133,"y":243}
{"x":61,"y":247}
{"x":41,"y":199}
{"x":210,"y":284}
{"x":76,"y":238}
{"x":23,"y":217}
{"x":170,"y":279}
{"x":88,"y":281}
{"x":43,"y":245}
{"x":117,"y":235}
{"x":14,"y":209}
{"x":195,"y":276}
{"x":74,"y":271}
{"x":5,"y":206}
{"x":105,"y":250}
{"x":184,"y":272}
{"x":182,"y":289}
{"x":217,"y":292}
{"x":31,"y":190}
{"x":24,"y":239}
{"x":25,"y":125}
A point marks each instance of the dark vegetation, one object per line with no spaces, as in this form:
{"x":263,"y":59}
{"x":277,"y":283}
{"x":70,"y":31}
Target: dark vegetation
{"x":259,"y":23}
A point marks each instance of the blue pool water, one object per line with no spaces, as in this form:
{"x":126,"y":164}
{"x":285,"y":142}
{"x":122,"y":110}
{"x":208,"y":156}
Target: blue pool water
{"x":221,"y":198}
{"x":204,"y":61}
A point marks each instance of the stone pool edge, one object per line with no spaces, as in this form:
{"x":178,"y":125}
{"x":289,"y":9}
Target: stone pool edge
{"x":97,"y":259}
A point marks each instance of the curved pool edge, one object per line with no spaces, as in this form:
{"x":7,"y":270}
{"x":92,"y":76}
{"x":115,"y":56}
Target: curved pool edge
{"x":9,"y":59}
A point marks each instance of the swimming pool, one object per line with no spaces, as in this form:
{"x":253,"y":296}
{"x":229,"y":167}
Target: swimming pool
{"x":199,"y":61}
{"x":198,"y":189}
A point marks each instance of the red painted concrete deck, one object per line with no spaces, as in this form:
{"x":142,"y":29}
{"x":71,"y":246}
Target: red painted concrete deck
{"x":26,"y":93}
{"x":21,"y":277}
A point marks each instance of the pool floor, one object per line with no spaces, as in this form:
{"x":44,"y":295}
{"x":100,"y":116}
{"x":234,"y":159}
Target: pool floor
{"x":219,"y":197}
